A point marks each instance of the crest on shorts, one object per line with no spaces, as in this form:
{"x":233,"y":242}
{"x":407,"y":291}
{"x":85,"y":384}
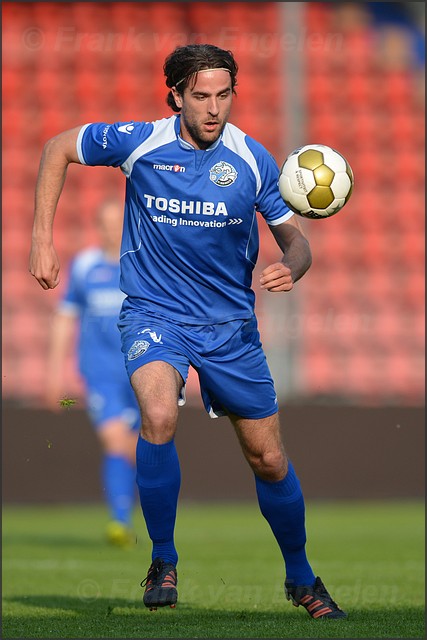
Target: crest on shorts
{"x":223,"y":174}
{"x":137,"y":349}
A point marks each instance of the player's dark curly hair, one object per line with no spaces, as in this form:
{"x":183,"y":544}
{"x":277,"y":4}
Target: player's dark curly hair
{"x":184,"y":62}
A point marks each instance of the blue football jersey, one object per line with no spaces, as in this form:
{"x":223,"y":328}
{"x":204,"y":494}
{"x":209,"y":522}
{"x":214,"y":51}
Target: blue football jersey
{"x":190,"y":238}
{"x":93,"y":294}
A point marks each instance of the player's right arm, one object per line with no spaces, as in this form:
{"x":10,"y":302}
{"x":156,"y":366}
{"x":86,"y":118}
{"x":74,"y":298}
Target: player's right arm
{"x":58,"y":153}
{"x":93,"y":144}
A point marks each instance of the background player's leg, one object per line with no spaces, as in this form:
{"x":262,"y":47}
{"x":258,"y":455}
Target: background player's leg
{"x":118,"y":470}
{"x":279,"y":493}
{"x":157,"y":386}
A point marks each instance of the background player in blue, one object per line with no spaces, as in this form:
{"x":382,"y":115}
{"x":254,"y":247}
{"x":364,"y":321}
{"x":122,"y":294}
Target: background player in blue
{"x":193,"y":185}
{"x":90,"y":309}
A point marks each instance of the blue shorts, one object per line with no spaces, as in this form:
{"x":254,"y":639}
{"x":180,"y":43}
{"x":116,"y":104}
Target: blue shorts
{"x":233,"y":372}
{"x":107,"y":400}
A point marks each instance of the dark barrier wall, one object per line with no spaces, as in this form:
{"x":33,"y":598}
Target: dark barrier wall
{"x":339,"y":452}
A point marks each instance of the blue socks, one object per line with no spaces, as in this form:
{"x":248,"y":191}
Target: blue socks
{"x":119,"y":483}
{"x":159,"y":479}
{"x":282,"y":505}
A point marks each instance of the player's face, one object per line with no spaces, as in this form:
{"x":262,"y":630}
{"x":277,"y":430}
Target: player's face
{"x":205,"y":107}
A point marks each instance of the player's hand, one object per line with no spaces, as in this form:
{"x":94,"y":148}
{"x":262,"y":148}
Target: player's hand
{"x":276,"y":277}
{"x":44,"y":264}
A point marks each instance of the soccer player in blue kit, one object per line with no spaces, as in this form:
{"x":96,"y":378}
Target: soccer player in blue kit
{"x":90,"y":308}
{"x":194,"y":183}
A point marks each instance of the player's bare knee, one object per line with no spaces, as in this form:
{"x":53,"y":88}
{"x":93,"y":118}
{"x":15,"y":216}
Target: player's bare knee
{"x":269,"y":465}
{"x":159,"y":423}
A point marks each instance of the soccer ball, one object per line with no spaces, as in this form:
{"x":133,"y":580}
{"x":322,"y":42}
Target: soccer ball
{"x":315,"y":181}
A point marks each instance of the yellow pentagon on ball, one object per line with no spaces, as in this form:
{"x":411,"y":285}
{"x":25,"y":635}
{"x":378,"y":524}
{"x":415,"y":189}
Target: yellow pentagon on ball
{"x":323,"y":175}
{"x":310,"y":159}
{"x":320,"y":197}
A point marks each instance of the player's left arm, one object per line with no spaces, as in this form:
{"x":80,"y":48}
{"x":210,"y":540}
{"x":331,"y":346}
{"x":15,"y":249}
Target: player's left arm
{"x":283,"y":224}
{"x":296,"y":259}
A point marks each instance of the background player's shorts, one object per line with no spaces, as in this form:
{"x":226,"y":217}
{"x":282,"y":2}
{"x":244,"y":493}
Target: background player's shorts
{"x":107,"y":400}
{"x":228,"y":357}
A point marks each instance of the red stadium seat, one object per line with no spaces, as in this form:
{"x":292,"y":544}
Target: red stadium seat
{"x":372,"y":203}
{"x":16,"y":249}
{"x":126,"y":89}
{"x":412,"y":292}
{"x":130,"y":14}
{"x":406,"y":131}
{"x":373,"y":166}
{"x":205,"y":18}
{"x":92,"y":17}
{"x":32,"y":375}
{"x":247,"y":17}
{"x":359,"y":90}
{"x":170,"y":20}
{"x":409,"y":166}
{"x":370,"y":129}
{"x":17,"y":205}
{"x":49,"y":14}
{"x":363,"y":373}
{"x":398,"y":88}
{"x":318,"y":17}
{"x":358,"y":51}
{"x":416,"y":330}
{"x":13,"y":84}
{"x":320,"y":87}
{"x":398,"y":372}
{"x":410,"y":208}
{"x":318,"y":372}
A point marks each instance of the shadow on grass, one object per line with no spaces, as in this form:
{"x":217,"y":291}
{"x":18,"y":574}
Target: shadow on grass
{"x":57,"y":541}
{"x":91,"y":605}
{"x":96,"y":617}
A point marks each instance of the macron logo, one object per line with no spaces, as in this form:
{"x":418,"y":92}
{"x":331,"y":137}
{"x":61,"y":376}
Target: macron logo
{"x":176,"y":168}
{"x":126,"y":128}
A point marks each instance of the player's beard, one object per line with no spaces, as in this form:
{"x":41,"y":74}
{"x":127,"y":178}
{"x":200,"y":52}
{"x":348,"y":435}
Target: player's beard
{"x":204,"y":139}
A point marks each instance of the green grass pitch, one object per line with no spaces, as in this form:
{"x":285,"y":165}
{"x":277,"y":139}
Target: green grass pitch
{"x":61,"y":580}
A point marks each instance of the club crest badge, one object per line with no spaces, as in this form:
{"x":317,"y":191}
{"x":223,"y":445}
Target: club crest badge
{"x":223,"y":174}
{"x":138,"y":348}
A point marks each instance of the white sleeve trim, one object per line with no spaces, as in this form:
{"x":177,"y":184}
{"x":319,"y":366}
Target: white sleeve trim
{"x":234,"y":139}
{"x":163,"y":132}
{"x":284,"y":218}
{"x":79,"y":142}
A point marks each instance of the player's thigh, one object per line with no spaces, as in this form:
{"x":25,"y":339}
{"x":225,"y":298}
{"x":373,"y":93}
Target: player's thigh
{"x":157,"y":386}
{"x":156,"y":360}
{"x":157,"y":382}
